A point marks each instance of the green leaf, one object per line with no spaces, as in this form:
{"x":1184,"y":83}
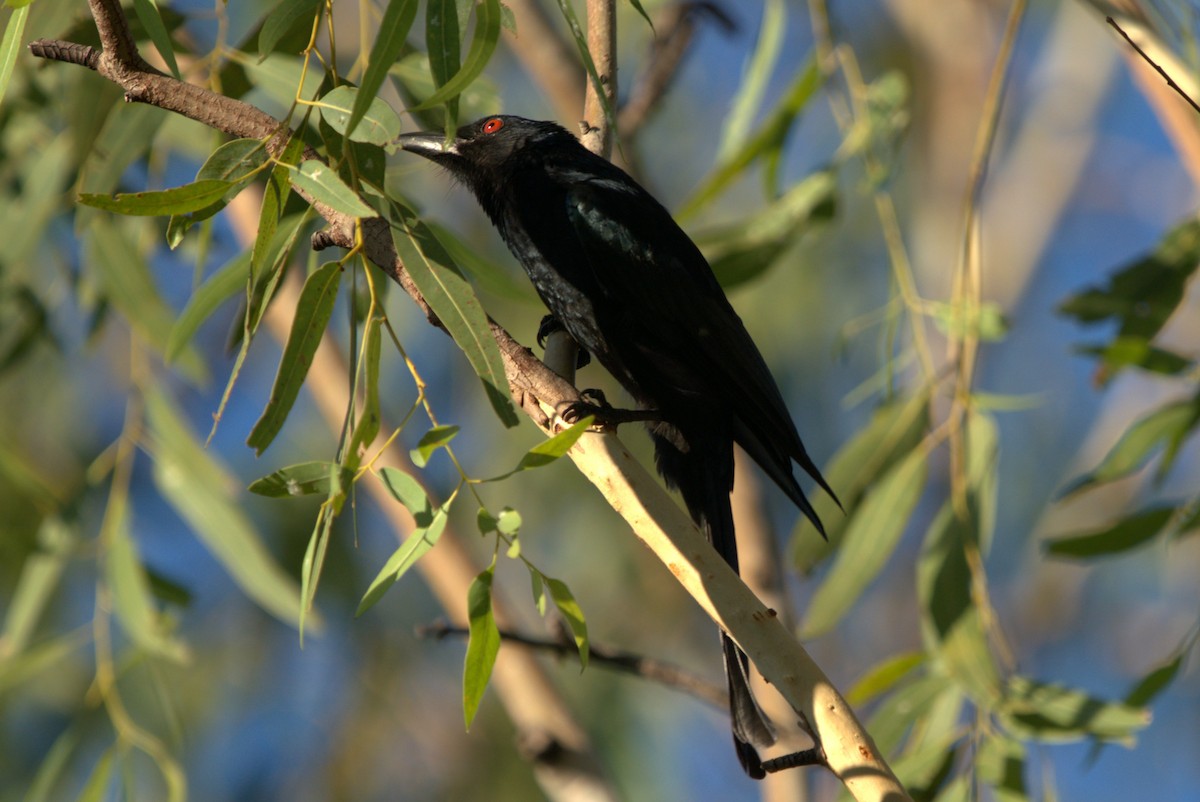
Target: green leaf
{"x":367,"y":428}
{"x":444,"y":46}
{"x":984,"y":321}
{"x":301,"y":479}
{"x":549,"y":450}
{"x":951,"y":624}
{"x":129,"y":287}
{"x":10,"y":45}
{"x":539,"y":591}
{"x":508,"y":522}
{"x":420,"y":541}
{"x":36,"y":585}
{"x":884,"y":676}
{"x":147,"y":14}
{"x":1055,"y":713}
{"x":220,"y":287}
{"x":431,"y":441}
{"x":197,"y":486}
{"x":637,"y":6}
{"x":96,"y":786}
{"x":180,"y":200}
{"x":408,"y":491}
{"x":483,"y":644}
{"x":742,"y":252}
{"x":770,"y":138}
{"x":313,"y":311}
{"x":275,"y":196}
{"x":1165,"y":427}
{"x":393,"y":30}
{"x":454,"y":302}
{"x":748,"y":99}
{"x":379,"y":125}
{"x":589,"y":64}
{"x":573,"y":613}
{"x":322,"y":184}
{"x":132,"y":599}
{"x":287,"y":15}
{"x":894,"y":431}
{"x":53,"y":765}
{"x":37,"y":662}
{"x":871,"y":536}
{"x":483,"y":43}
{"x":1000,"y":762}
{"x":1142,"y":296}
{"x":1124,"y":352}
{"x":1124,"y":535}
{"x":910,"y":702}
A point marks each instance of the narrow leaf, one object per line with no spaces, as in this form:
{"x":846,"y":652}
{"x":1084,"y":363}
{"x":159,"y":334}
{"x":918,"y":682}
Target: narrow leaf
{"x":313,"y":311}
{"x":1056,"y":713}
{"x":198,"y":487}
{"x":573,"y":613}
{"x":132,"y":599}
{"x":282,"y":19}
{"x":393,"y":30}
{"x":10,"y":45}
{"x":483,"y":645}
{"x":549,"y":450}
{"x":301,"y":479}
{"x":322,"y":184}
{"x":414,"y":547}
{"x":147,"y":14}
{"x":179,"y":200}
{"x":405,"y":489}
{"x":455,"y":304}
{"x":1125,"y":535}
{"x":871,"y":536}
{"x":220,"y":287}
{"x":483,"y":43}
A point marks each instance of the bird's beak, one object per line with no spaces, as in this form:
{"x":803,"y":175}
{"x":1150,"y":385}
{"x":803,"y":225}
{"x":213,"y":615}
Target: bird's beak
{"x":431,"y":145}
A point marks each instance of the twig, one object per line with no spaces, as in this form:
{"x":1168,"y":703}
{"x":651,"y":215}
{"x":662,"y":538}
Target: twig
{"x":1166,"y":77}
{"x":637,"y":665}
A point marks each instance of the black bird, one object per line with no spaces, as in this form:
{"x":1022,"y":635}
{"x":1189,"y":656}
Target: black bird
{"x":630,"y":287}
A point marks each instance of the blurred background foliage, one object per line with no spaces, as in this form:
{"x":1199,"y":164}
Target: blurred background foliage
{"x":964,"y":240}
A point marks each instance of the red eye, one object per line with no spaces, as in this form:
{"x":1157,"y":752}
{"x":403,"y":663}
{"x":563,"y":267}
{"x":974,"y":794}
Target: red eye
{"x":493,"y":125}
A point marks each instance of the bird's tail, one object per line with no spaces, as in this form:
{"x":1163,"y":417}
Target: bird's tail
{"x":702,"y":471}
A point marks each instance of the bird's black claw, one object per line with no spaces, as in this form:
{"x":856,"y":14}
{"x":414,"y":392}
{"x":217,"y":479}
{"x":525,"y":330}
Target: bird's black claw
{"x":551,"y":324}
{"x":592,"y":402}
{"x":805,"y":757}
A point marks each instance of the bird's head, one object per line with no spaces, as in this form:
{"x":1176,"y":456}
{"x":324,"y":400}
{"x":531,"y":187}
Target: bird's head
{"x":486,"y":145}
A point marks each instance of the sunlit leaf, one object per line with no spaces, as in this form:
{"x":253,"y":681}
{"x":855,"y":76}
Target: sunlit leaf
{"x":313,"y":311}
{"x":573,"y":613}
{"x":483,"y":43}
{"x":132,"y":599}
{"x":10,"y":45}
{"x":482,"y":646}
{"x":416,"y":545}
{"x":199,"y":488}
{"x":549,"y":450}
{"x":1050,"y":712}
{"x":379,"y":124}
{"x":871,"y":536}
{"x":431,"y":441}
{"x":884,"y":676}
{"x":452,"y":299}
{"x":322,"y":184}
{"x":179,"y":200}
{"x":301,"y":479}
{"x":393,"y":30}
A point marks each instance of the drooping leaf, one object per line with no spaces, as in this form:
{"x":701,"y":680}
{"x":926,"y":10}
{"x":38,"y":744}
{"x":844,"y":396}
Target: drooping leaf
{"x":286,"y":16}
{"x":313,"y":311}
{"x":132,"y":599}
{"x":483,"y":644}
{"x":416,"y":545}
{"x":549,"y":450}
{"x":1056,"y":713}
{"x":455,"y":304}
{"x":147,"y":14}
{"x":367,"y":427}
{"x":199,"y":488}
{"x":443,"y":43}
{"x":573,"y":613}
{"x":219,"y":288}
{"x":871,"y":536}
{"x":951,"y":622}
{"x":893,"y":431}
{"x":408,"y":491}
{"x":884,"y":676}
{"x":1126,"y":534}
{"x":483,"y":43}
{"x":1000,"y":762}
{"x":748,"y":99}
{"x":393,"y":29}
{"x":1165,"y":427}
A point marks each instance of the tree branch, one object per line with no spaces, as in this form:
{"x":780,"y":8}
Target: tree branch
{"x":625,"y":484}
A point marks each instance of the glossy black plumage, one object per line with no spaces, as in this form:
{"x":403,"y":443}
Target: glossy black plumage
{"x":630,"y":286}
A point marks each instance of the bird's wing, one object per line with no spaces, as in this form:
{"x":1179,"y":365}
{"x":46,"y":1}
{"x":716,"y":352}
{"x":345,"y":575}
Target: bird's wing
{"x":678,"y":315}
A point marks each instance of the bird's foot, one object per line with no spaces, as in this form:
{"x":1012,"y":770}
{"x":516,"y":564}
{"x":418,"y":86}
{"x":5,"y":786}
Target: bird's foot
{"x":592,"y":402}
{"x":805,"y":757}
{"x":549,"y":325}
